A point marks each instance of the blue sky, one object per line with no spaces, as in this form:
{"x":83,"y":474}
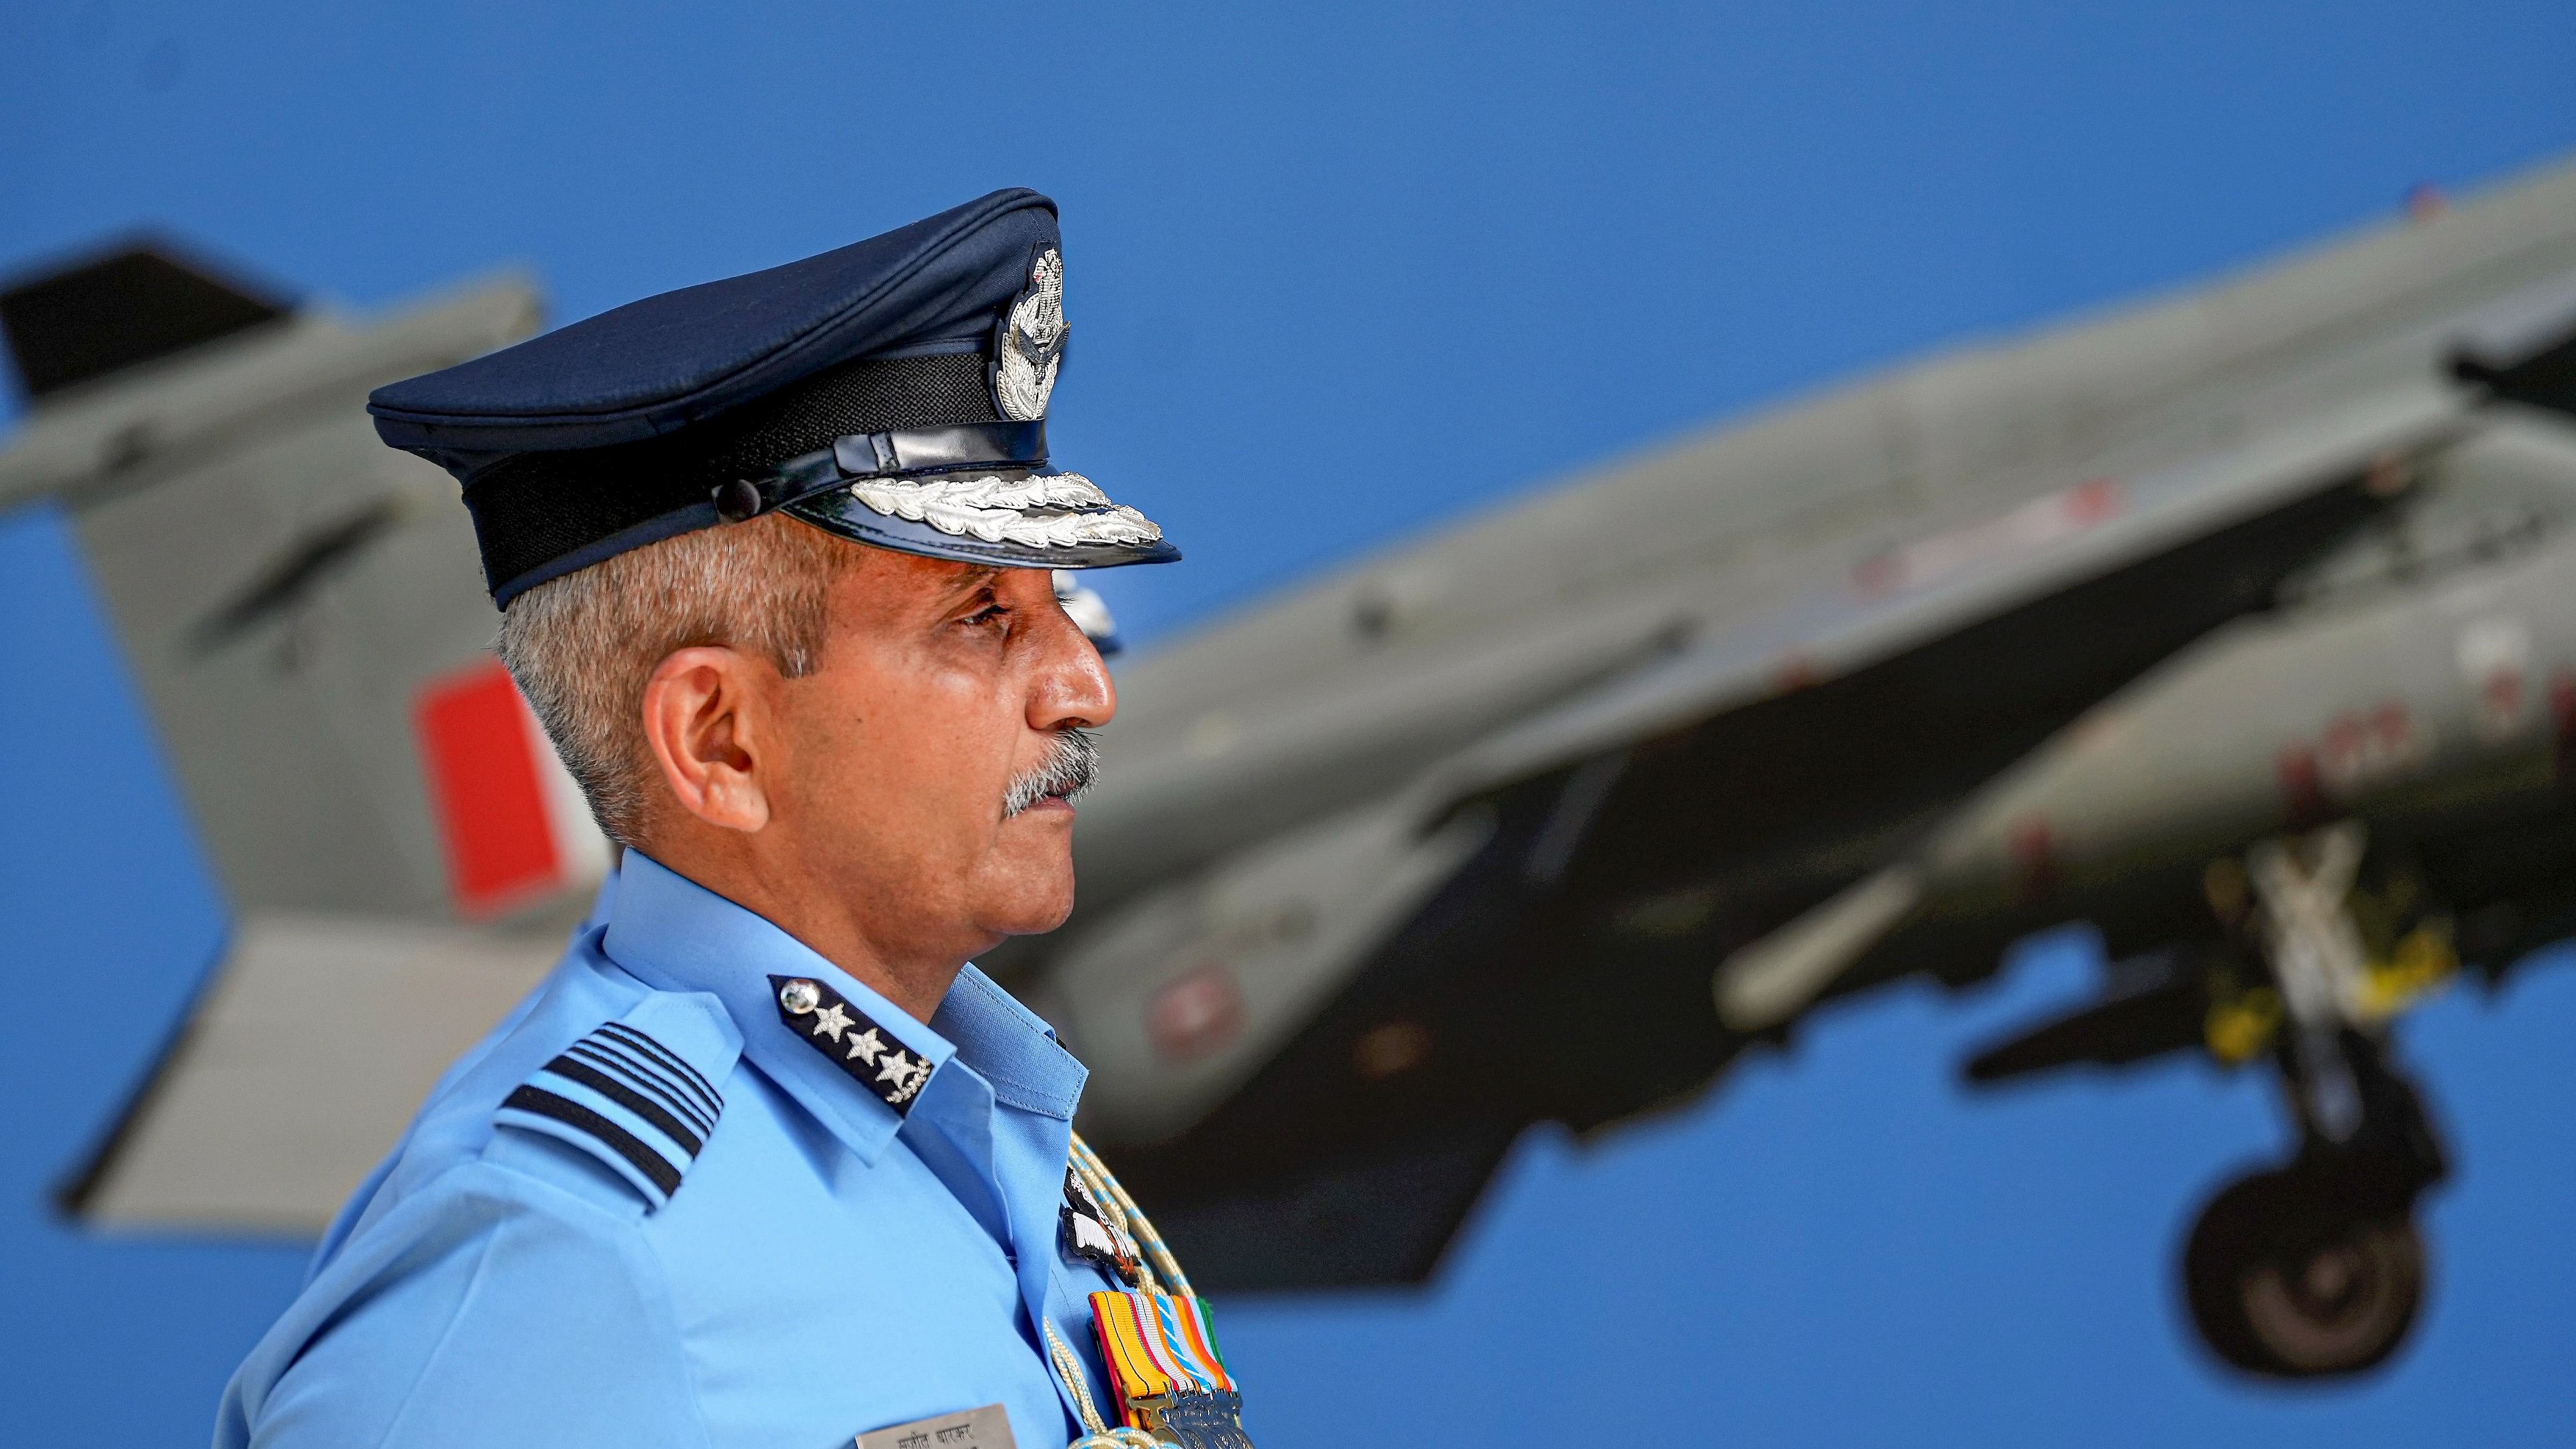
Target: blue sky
{"x":1338,"y":273}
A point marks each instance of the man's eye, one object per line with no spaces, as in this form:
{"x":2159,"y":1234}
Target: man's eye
{"x":989,"y":614}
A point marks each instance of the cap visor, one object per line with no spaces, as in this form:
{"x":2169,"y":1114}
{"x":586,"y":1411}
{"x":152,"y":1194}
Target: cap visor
{"x":838,"y":511}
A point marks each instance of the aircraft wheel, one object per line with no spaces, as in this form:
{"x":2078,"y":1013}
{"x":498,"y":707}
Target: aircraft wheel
{"x":2286,"y":1279}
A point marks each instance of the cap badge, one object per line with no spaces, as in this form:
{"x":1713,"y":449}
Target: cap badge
{"x":1032,"y":343}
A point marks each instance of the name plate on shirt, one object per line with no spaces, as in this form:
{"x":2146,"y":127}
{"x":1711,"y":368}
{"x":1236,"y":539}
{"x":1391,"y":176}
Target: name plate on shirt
{"x":984,"y":1428}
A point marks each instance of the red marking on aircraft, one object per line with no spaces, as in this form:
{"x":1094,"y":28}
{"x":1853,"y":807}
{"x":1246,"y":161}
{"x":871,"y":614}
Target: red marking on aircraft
{"x":2303,"y":797}
{"x":2033,"y":526}
{"x":2364,"y":747}
{"x":478,"y":744}
{"x":1195,"y":1013}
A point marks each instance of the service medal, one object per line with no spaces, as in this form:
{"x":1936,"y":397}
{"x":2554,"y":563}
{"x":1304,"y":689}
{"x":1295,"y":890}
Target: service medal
{"x":1171,"y":1381}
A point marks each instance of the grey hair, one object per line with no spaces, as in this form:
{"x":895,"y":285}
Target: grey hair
{"x":582,"y":646}
{"x":1070,"y":767}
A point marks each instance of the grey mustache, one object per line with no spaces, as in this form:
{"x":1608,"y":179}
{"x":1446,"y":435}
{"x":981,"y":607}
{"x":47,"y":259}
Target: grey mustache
{"x":1070,"y":769}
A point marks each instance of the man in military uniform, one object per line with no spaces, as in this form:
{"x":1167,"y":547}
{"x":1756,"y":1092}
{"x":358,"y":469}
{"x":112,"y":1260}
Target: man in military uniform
{"x":765,"y":1161}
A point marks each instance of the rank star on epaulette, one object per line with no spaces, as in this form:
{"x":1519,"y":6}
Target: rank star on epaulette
{"x":851,"y":1040}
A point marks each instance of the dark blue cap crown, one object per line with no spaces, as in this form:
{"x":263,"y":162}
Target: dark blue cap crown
{"x":892,"y":391}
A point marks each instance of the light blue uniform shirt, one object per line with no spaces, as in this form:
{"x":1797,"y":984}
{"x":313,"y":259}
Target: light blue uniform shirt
{"x":817,"y":1266}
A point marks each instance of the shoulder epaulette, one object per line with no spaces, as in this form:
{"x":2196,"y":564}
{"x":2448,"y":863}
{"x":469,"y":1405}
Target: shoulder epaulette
{"x":638,"y":1093}
{"x":850,"y":1039}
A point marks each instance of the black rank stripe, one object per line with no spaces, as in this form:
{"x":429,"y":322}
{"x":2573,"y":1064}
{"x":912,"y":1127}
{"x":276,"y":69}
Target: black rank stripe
{"x":645,"y":1160}
{"x":679,"y":1063}
{"x":704,"y":1090}
{"x":628,"y":1098}
{"x":898,"y":1096}
{"x":600,"y":1053}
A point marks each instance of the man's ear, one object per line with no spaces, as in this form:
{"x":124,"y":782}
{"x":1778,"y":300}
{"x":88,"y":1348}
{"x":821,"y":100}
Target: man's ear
{"x":704,"y":719}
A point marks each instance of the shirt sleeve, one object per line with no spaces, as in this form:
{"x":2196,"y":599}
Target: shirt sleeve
{"x":521,"y":1321}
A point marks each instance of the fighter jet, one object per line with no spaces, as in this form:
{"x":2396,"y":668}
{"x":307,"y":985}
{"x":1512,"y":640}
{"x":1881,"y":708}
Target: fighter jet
{"x":2237,"y":624}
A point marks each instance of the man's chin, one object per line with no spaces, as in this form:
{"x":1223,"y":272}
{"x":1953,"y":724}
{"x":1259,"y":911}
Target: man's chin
{"x":1029,"y":918}
{"x":1028,"y":886}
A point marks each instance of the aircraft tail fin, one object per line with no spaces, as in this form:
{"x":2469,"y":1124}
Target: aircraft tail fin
{"x":110,"y":310}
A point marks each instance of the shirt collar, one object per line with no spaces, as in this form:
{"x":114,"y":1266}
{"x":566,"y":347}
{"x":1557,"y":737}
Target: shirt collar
{"x":675,"y":935}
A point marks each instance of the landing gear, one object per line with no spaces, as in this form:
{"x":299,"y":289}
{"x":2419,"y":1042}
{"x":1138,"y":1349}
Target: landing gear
{"x":2315,"y":1269}
{"x":2285,"y":1280}
{"x":2311,"y":1268}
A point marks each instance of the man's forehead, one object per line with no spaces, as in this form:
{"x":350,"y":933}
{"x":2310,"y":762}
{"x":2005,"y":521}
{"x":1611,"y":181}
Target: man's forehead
{"x":934,"y":581}
{"x":955,"y":579}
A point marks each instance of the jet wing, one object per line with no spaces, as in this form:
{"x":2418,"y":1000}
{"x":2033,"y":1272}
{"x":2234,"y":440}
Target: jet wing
{"x":1934,"y":586}
{"x":1381,"y":860}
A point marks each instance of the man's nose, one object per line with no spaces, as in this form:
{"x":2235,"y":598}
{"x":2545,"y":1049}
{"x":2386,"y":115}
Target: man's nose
{"x":1073,"y":687}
